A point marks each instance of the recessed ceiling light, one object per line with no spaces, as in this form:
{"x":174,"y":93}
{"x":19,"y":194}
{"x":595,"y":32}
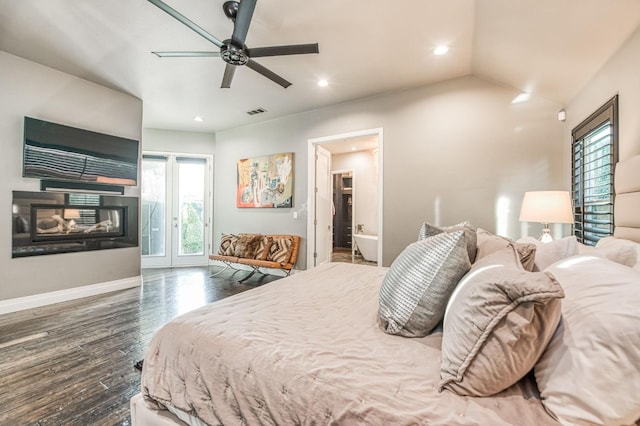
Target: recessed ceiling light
{"x":323,"y":83}
{"x":522,"y":97}
{"x":353,"y":148}
{"x":440,"y":50}
{"x":198,"y":118}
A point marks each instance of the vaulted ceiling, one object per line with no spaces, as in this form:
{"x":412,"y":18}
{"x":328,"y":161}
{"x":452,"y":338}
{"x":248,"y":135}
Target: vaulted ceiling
{"x":546,"y":47}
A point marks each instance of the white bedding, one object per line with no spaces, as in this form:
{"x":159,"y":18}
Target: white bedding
{"x":308,"y":350}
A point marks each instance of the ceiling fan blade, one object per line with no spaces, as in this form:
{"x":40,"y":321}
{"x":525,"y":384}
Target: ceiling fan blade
{"x":243,"y":19}
{"x":192,"y":54}
{"x":268,"y":73}
{"x":186,"y":21}
{"x":292,"y":49}
{"x":229,"y":71}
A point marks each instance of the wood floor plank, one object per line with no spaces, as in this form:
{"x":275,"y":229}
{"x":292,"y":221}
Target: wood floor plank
{"x":72,"y":363}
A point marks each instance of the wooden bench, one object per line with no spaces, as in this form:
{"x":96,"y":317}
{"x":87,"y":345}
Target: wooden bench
{"x":258,"y":251}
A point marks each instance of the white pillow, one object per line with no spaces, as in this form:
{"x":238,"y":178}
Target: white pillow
{"x":589,"y":372}
{"x":585,"y":249}
{"x":619,"y":250}
{"x":548,"y":253}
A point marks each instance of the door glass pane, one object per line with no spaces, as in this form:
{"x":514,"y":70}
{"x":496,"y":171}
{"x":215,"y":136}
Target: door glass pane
{"x":191,"y":204}
{"x":154,"y":195}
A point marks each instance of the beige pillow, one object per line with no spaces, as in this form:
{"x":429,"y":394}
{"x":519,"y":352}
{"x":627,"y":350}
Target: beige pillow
{"x":489,"y":243}
{"x":549,"y":253}
{"x":264,"y":247}
{"x":280,"y":250}
{"x":497,"y":324}
{"x":415,"y":290}
{"x":429,"y":230}
{"x":247,"y":245}
{"x":228,"y":245}
{"x":590,"y":371}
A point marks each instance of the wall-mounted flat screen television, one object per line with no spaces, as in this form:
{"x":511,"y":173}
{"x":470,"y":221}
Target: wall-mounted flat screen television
{"x":55,"y":151}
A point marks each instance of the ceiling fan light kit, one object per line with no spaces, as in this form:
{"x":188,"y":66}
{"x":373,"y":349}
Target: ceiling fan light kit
{"x":233,"y":51}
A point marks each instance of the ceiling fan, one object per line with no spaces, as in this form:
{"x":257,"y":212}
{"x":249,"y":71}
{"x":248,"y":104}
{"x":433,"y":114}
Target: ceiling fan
{"x":233,"y":51}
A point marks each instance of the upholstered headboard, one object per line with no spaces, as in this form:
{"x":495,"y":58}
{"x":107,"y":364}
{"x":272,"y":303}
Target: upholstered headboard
{"x":627,"y":203}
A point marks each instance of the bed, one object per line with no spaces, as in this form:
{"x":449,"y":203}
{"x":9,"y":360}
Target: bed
{"x":311,"y":348}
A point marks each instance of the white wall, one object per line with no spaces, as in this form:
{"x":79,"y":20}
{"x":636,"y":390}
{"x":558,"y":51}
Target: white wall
{"x":618,"y":76}
{"x":365,"y":192}
{"x":177,"y":141}
{"x":452,"y":151}
{"x":40,"y":92}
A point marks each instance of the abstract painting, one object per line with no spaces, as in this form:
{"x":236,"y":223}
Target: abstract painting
{"x":265,"y":181}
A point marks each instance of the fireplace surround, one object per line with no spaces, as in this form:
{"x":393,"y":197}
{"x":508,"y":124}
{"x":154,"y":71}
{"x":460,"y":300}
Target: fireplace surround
{"x":49,"y":223}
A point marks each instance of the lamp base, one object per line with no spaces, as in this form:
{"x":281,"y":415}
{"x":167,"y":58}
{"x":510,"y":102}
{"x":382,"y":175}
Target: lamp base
{"x":546,"y":234}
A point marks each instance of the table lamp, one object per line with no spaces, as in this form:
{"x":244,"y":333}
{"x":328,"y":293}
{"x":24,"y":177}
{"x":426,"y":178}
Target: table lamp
{"x":546,"y":207}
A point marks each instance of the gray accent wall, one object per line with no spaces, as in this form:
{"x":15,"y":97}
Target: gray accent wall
{"x":30,"y":89}
{"x":618,"y":76}
{"x":453,"y":151}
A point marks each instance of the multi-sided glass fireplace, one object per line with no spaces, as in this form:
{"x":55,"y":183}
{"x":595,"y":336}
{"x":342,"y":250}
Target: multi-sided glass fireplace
{"x":47,"y":223}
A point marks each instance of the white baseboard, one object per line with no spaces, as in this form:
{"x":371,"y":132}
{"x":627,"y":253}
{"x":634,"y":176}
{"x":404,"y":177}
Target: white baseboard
{"x":42,"y":299}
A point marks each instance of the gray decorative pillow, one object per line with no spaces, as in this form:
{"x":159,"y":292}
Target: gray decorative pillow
{"x":497,"y":324}
{"x":415,"y":290}
{"x":428,"y":230}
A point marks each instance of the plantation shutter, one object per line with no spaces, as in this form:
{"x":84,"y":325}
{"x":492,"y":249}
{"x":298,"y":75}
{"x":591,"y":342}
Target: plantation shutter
{"x":594,"y":155}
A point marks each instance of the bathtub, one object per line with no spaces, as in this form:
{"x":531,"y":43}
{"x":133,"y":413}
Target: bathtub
{"x":368,"y":246}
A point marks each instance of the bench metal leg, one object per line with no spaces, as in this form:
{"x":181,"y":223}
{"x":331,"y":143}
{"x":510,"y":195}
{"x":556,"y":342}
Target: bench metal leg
{"x":287,"y":272}
{"x":250,"y":275}
{"x":254,"y":269}
{"x":227,"y":265}
{"x":220,"y":271}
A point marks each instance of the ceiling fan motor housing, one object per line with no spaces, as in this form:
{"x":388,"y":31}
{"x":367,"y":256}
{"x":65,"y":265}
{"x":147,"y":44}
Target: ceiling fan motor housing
{"x":233,"y":54}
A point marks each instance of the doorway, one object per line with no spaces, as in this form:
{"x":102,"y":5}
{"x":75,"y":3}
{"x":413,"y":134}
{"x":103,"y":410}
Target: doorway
{"x":176,"y":210}
{"x":343,"y":214}
{"x":322,"y":204}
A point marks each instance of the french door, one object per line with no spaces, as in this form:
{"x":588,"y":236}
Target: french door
{"x":176,"y":210}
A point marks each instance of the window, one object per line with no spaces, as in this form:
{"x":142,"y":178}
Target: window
{"x":594,"y":155}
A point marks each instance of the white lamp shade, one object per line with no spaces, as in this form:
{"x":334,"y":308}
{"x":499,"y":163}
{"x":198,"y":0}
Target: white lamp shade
{"x":546,"y":207}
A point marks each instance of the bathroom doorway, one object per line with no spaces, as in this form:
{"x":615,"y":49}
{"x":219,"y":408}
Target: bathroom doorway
{"x":342,"y":205}
{"x":356,"y":200}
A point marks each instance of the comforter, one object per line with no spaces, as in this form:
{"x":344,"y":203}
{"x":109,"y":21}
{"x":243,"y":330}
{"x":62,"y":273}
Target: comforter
{"x":308,"y":349}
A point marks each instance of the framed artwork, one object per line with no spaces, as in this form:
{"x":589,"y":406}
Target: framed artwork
{"x":265,"y":182}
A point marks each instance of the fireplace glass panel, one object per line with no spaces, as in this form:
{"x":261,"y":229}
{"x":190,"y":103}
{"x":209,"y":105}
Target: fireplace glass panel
{"x":76,"y":222}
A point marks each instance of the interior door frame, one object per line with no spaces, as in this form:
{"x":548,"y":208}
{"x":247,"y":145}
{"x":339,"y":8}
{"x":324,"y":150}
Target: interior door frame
{"x":311,"y":167}
{"x":166,"y":261}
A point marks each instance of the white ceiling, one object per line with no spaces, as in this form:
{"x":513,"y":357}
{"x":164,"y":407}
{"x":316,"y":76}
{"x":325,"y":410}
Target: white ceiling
{"x":548,"y":47}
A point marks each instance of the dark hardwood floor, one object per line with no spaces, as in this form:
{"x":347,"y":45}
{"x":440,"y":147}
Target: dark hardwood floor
{"x":72,"y":363}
